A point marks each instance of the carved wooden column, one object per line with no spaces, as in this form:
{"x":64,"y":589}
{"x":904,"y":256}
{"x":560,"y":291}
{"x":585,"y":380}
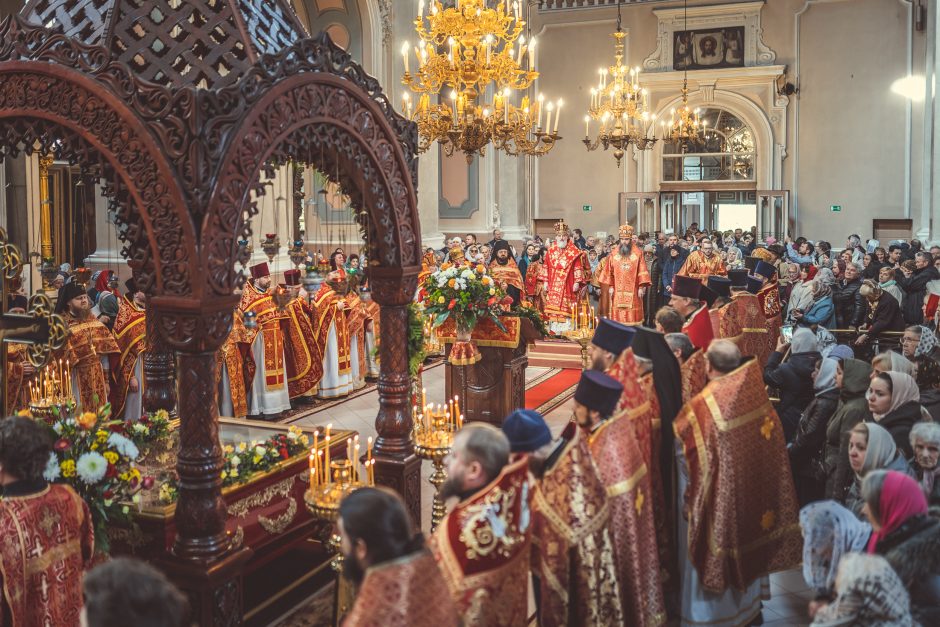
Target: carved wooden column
{"x":207,"y":566}
{"x":396,"y":464}
{"x":159,"y":372}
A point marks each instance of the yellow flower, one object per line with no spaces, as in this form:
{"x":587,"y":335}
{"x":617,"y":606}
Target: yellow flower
{"x":485,"y":280}
{"x":492,"y":292}
{"x":480,"y":269}
{"x":228,"y":448}
{"x":452,"y":283}
{"x":87,"y":420}
{"x":102,"y":436}
{"x":161,"y":414}
{"x":440,"y":300}
{"x":111,"y":456}
{"x":94,"y":446}
{"x":224,"y":475}
{"x":68,"y":468}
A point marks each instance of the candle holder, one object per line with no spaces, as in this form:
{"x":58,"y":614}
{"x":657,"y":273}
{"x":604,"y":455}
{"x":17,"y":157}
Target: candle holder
{"x":297,"y":253}
{"x":434,"y":439}
{"x":582,"y":337}
{"x":271,"y":244}
{"x":51,"y":394}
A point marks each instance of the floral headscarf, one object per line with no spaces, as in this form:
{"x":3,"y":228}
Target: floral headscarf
{"x":928,"y":341}
{"x":869,"y":592}
{"x":829,"y":532}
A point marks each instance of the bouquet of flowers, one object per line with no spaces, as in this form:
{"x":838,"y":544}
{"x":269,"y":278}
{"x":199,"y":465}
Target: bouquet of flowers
{"x":240,"y":462}
{"x":466,"y":292}
{"x":97,"y":458}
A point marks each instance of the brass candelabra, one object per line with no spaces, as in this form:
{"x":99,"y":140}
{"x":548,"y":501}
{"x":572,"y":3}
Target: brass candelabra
{"x":434,"y":430}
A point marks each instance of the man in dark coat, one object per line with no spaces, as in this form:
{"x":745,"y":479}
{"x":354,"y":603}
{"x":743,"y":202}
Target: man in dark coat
{"x":914,"y":285}
{"x":653,"y":298}
{"x":884,"y":313}
{"x":849,"y":303}
{"x":793,"y":378}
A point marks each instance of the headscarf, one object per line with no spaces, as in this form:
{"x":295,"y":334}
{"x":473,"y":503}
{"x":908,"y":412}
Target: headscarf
{"x":829,"y":532}
{"x":804,"y":341}
{"x":868,"y":592}
{"x":821,"y":290}
{"x":900,"y":363}
{"x":881,"y":449}
{"x":903,"y":390}
{"x":928,"y":374}
{"x":825,"y":275}
{"x":842,"y":352}
{"x":810,"y":274}
{"x":826,"y":377}
{"x":928,"y":341}
{"x":901,"y":499}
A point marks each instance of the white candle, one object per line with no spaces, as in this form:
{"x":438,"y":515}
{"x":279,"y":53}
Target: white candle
{"x":587,"y":126}
{"x":532,"y":54}
{"x":558,"y":114}
{"x":541,"y":100}
{"x":404,"y":54}
{"x":548,"y":122}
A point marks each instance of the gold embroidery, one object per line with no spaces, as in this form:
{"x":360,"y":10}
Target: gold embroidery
{"x":767,"y":520}
{"x":639,"y":501}
{"x":278,"y":524}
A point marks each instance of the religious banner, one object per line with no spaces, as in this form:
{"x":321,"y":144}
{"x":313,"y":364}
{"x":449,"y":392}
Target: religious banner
{"x":486,"y":332}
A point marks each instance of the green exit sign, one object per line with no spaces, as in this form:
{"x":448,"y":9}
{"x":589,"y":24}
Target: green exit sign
{"x":585,"y":207}
{"x":835,"y":208}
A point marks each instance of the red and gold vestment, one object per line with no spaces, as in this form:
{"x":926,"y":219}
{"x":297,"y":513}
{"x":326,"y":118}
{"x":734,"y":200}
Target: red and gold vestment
{"x":573,"y":554}
{"x":507,"y":274}
{"x":356,"y":323}
{"x":482,"y":548}
{"x":625,"y":275}
{"x":269,"y":320}
{"x":130,"y":333}
{"x":326,"y":303}
{"x":304,"y":359}
{"x":48,"y":541}
{"x":87,"y":343}
{"x":407,"y":592}
{"x":698,"y":266}
{"x":235,"y":353}
{"x":741,"y":505}
{"x":563,"y":268}
{"x":699,"y":328}
{"x":754,"y":337}
{"x":616,"y":453}
{"x":534,"y":288}
{"x":17,"y":381}
{"x":769,"y":297}
{"x":694,"y":378}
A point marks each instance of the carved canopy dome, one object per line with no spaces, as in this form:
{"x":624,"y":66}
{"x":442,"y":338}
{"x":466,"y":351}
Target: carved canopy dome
{"x":204,"y":43}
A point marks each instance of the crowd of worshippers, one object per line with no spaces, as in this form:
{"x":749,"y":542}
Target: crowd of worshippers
{"x":286,"y":347}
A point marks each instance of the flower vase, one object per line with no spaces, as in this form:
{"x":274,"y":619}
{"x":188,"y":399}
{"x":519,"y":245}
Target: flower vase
{"x":464,"y":352}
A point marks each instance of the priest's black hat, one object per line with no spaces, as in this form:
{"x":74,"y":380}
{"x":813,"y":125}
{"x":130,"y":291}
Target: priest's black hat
{"x":499,"y":245}
{"x":612,"y":336}
{"x":688,"y":287}
{"x":598,"y":391}
{"x":738,"y":277}
{"x":708,"y":295}
{"x":720,"y":285}
{"x":754,"y":284}
{"x":751,"y":263}
{"x":66,"y":293}
{"x":765,"y":269}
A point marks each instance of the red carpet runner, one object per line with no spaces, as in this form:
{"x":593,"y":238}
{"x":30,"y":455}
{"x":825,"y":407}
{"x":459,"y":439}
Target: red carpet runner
{"x":549,"y":394}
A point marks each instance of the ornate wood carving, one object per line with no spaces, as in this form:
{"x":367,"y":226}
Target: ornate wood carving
{"x":159,"y":372}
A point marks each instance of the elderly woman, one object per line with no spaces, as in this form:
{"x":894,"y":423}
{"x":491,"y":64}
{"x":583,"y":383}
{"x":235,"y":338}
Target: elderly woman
{"x":894,"y":403}
{"x":889,"y":361}
{"x":925,"y":440}
{"x":807,"y":449}
{"x":868,"y":592}
{"x":883,"y":313}
{"x":888,"y":284}
{"x":822,"y":312}
{"x":852,"y":379}
{"x":918,"y":341}
{"x":907,"y":537}
{"x":871,"y":448}
{"x":829,"y":532}
{"x":793,"y":378}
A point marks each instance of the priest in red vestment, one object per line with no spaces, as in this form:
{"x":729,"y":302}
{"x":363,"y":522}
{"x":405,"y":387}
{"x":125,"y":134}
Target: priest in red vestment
{"x":87,"y":349}
{"x":769,"y":297}
{"x":573,"y":564}
{"x":130,"y":333}
{"x":744,"y":311}
{"x":267,"y":395}
{"x":740,"y":517}
{"x":302,"y":354}
{"x":482,"y":544}
{"x":685,"y":299}
{"x":624,"y":279}
{"x":398,"y":580}
{"x":504,"y":270}
{"x":47,"y":531}
{"x":703,"y":263}
{"x":564,"y":273}
{"x":236,"y":370}
{"x":331,"y":334}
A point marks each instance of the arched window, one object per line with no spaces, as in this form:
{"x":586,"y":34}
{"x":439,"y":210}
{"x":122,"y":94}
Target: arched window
{"x":727,"y":152}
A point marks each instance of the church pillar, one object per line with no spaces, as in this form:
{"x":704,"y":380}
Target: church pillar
{"x":159,"y":373}
{"x":428,"y":198}
{"x":396,"y":464}
{"x":205,"y":563}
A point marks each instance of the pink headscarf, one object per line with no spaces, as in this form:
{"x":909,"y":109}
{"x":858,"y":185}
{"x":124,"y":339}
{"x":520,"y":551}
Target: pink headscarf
{"x":901,"y":498}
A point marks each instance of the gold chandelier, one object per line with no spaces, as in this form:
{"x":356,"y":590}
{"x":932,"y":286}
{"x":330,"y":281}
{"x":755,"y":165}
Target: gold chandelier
{"x":620,"y":105}
{"x":688,"y":127}
{"x":464,"y":50}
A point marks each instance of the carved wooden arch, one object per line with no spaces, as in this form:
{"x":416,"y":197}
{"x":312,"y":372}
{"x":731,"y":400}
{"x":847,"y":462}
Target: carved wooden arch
{"x":45,"y":101}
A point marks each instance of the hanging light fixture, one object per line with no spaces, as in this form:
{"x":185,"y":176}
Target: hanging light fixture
{"x":466,"y":50}
{"x":620,"y":105}
{"x":685,"y":125}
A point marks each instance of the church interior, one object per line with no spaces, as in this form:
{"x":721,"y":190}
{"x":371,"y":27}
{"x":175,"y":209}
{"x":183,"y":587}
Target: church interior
{"x":262,"y":257}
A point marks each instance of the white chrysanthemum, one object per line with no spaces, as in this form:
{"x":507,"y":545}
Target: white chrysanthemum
{"x":140,"y":428}
{"x":123,"y":446}
{"x":461,"y":284}
{"x":91,"y":467}
{"x":442,"y":282}
{"x":57,"y":427}
{"x":466,"y":274}
{"x":260,"y":451}
{"x":235,"y":460}
{"x":52,"y":471}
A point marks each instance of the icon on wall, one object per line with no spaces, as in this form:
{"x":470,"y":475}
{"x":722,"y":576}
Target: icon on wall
{"x":706,"y":49}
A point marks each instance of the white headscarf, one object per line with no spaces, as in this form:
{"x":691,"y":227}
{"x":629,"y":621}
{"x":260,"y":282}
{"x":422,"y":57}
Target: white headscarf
{"x":826,"y":377}
{"x":804,"y":341}
{"x":903,"y":390}
{"x":829,"y":532}
{"x":881,"y":449}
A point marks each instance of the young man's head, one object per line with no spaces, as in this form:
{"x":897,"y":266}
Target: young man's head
{"x":477,"y":457}
{"x":126,"y":591}
{"x":610,"y":340}
{"x":374,"y":528}
{"x":722,"y":357}
{"x":669,"y":320}
{"x":595,"y":398}
{"x":24,"y":450}
{"x":470,"y":239}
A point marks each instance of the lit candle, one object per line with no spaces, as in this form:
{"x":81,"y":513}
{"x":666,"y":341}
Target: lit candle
{"x":321,"y":474}
{"x":356,"y":458}
{"x":326,"y":464}
{"x":548,"y":122}
{"x":313,"y":472}
{"x":457,"y":405}
{"x":405,"y":48}
{"x":424,"y":397}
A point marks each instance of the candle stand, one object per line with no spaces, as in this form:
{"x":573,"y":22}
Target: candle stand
{"x":434,"y":439}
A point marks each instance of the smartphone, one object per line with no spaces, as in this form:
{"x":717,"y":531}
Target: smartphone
{"x":787,"y":332}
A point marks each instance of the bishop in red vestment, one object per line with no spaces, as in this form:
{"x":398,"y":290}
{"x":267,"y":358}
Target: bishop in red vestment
{"x":564,"y":273}
{"x":624,"y":279}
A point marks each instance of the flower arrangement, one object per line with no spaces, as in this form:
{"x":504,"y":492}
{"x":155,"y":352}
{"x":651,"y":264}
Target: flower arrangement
{"x":525,"y":309}
{"x":465,"y":291}
{"x":97,"y":458}
{"x":240,"y":462}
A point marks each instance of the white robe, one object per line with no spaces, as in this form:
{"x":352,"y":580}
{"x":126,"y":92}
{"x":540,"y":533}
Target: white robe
{"x":225,"y":395}
{"x":134,"y":402}
{"x":700,"y":607}
{"x":333,"y":384}
{"x":264,"y":400}
{"x":372,"y":363}
{"x":357,"y":377}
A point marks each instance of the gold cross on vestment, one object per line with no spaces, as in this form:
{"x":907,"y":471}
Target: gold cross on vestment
{"x":49,"y":520}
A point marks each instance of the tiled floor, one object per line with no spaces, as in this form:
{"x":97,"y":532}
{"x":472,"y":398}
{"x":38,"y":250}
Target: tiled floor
{"x":790,"y":595}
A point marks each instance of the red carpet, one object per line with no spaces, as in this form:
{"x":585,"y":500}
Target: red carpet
{"x":549,"y":394}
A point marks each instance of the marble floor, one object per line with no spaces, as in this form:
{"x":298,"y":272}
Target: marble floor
{"x":790,"y":595}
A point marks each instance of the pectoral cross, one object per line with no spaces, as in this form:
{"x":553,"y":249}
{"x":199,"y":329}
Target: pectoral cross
{"x":40,"y":328}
